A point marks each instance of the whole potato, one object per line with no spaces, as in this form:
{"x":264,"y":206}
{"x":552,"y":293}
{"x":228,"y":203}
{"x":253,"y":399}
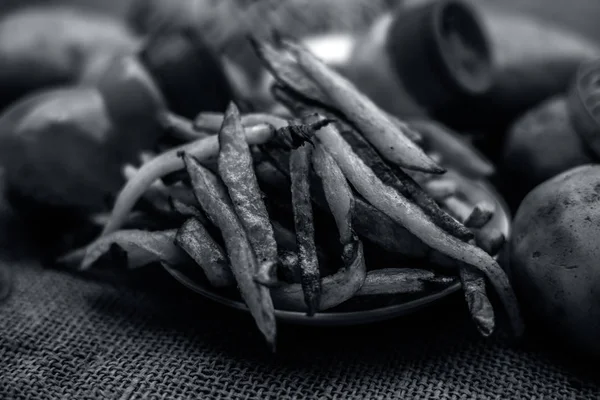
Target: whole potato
{"x":43,"y":46}
{"x":554,"y":253}
{"x":540,"y":145}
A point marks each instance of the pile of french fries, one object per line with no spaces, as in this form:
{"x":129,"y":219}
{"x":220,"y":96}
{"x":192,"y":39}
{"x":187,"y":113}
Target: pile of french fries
{"x":281,"y":206}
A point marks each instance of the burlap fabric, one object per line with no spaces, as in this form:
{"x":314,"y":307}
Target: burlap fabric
{"x":65,"y":337}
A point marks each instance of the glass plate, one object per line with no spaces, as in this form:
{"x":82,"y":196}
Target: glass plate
{"x":477,"y":191}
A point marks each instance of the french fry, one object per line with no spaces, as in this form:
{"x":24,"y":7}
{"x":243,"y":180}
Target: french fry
{"x":343,"y":284}
{"x":212,"y":196}
{"x":406,"y":186}
{"x":480,"y":307}
{"x":403,"y":281}
{"x":183,"y":129}
{"x":211,"y":121}
{"x":335,"y":289}
{"x":237,"y":172}
{"x":296,"y":68}
{"x":141,"y":247}
{"x":416,"y":221}
{"x":304,"y":224}
{"x":473,"y":281}
{"x":390,"y":175}
{"x":440,"y":189}
{"x":284,"y":67}
{"x":169,"y":162}
{"x":390,"y":141}
{"x":195,"y":240}
{"x":454,"y":150}
{"x":369,"y":222}
{"x":490,"y":240}
{"x":482,"y":213}
{"x":337,"y":192}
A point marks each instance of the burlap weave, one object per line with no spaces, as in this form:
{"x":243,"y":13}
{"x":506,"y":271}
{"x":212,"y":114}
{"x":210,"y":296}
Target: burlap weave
{"x":63,"y":337}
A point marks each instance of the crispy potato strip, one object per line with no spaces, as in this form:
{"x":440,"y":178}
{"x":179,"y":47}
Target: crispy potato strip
{"x":335,"y":289}
{"x":455,"y":151}
{"x":416,"y":221}
{"x":305,"y":229}
{"x":396,"y":178}
{"x":236,"y":169}
{"x":212,"y":196}
{"x":337,"y":192}
{"x":369,"y":222}
{"x":141,"y":247}
{"x":183,"y":129}
{"x":212,"y":121}
{"x":473,"y":281}
{"x":403,"y":281}
{"x":478,"y":302}
{"x":385,"y":135}
{"x":296,"y":68}
{"x":195,"y":240}
{"x":169,"y":162}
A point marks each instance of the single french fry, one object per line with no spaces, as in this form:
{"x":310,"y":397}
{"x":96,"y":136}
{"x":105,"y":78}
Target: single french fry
{"x":403,"y":281}
{"x":454,"y":150}
{"x":236,"y":169}
{"x":182,"y":128}
{"x":141,"y":247}
{"x":195,"y":240}
{"x":481,"y":215}
{"x":304,"y":224}
{"x":441,"y":189}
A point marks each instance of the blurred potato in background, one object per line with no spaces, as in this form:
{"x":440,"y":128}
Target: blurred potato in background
{"x":572,"y":13}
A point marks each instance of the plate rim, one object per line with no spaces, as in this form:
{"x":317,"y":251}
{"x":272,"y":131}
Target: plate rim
{"x":326,"y":318}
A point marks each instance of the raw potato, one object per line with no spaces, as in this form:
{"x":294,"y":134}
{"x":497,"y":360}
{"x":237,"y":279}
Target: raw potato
{"x":554,"y":253}
{"x":43,"y":46}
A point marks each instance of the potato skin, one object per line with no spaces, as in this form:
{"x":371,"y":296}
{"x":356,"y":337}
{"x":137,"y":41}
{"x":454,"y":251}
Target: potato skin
{"x":48,"y":46}
{"x":540,"y":145}
{"x":61,"y":149}
{"x":554,"y":250}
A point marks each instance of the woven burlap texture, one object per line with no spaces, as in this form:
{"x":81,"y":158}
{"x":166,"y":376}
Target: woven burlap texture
{"x":64,"y":337}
